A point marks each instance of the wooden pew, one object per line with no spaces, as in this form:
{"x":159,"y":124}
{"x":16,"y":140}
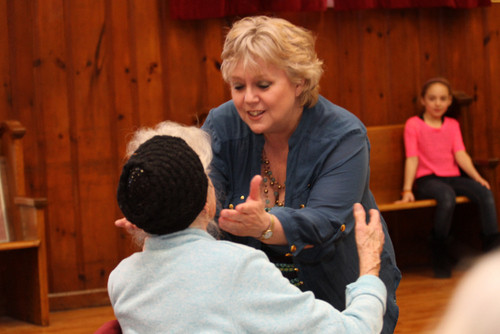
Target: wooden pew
{"x":23,"y":260}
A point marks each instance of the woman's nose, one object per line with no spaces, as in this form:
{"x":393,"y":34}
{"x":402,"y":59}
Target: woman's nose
{"x":251,"y":96}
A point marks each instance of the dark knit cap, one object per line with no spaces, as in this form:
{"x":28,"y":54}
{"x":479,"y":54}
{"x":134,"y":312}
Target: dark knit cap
{"x":163,"y":186}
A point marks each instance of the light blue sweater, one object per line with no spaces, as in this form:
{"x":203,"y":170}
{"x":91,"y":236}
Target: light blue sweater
{"x":187,"y":282}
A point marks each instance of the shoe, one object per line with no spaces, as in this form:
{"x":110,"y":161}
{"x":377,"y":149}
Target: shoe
{"x":441,"y":261}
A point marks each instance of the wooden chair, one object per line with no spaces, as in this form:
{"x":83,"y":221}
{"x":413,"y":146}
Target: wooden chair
{"x":109,"y":327}
{"x":23,"y":261}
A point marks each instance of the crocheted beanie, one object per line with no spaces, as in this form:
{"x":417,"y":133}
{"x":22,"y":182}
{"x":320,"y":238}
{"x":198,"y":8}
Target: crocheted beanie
{"x":163,"y":186}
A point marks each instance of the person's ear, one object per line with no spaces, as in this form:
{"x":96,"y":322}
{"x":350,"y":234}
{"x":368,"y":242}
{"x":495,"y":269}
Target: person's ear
{"x":422,"y":101}
{"x":450,"y":100}
{"x":299,"y":88}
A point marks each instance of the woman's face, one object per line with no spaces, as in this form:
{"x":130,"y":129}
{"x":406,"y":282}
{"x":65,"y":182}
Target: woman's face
{"x":266,"y":99}
{"x":436,"y":100}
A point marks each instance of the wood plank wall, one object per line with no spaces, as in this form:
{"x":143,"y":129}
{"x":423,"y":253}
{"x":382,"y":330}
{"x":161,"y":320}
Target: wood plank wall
{"x":81,"y":75}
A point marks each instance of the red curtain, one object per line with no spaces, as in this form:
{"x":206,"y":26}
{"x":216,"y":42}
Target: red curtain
{"x":201,"y":9}
{"x":370,"y":4}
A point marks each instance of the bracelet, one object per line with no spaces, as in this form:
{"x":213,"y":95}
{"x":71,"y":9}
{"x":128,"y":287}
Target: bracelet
{"x":406,"y":191}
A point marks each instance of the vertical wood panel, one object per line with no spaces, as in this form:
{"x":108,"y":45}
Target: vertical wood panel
{"x":5,"y":82}
{"x":374,"y":84}
{"x":124,"y":116}
{"x":51,"y":80}
{"x":349,"y":66}
{"x":145,"y":41}
{"x":402,"y":65}
{"x":491,"y":41}
{"x":93,"y":154}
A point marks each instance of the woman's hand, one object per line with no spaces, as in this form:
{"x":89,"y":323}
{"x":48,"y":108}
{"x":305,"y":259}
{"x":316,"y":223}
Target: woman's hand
{"x":249,"y":218}
{"x":369,"y":240}
{"x":125,"y":224}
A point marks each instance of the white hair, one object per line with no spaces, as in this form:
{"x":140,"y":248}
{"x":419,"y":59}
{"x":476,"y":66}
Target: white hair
{"x":475,"y":305}
{"x":196,"y":138}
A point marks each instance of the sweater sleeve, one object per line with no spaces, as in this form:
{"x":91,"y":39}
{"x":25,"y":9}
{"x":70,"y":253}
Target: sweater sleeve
{"x":265,"y":302}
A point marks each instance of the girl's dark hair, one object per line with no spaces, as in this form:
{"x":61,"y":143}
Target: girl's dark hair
{"x":432,"y":81}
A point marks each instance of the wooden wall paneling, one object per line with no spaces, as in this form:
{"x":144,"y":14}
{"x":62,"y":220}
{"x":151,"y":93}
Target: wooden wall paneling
{"x":329,"y":49}
{"x":374,"y":84}
{"x":95,"y":177}
{"x":52,"y":103}
{"x":459,"y":57}
{"x":124,"y":115}
{"x":216,"y":90}
{"x":145,"y":42}
{"x":491,"y":40}
{"x":429,"y":57}
{"x":5,"y":81}
{"x":23,"y":89}
{"x":349,"y":66}
{"x":184,"y":54}
{"x":402,"y":65}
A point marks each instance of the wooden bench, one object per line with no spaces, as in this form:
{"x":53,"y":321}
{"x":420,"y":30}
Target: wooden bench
{"x":23,"y":260}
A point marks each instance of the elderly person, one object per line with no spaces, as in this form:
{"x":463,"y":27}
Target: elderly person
{"x":184,"y":281}
{"x":313,"y":157}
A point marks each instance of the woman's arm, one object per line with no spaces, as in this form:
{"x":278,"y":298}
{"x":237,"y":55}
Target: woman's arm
{"x":464,"y":161}
{"x":411,"y":165}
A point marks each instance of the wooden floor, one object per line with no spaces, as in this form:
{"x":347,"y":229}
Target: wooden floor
{"x":421,"y":299}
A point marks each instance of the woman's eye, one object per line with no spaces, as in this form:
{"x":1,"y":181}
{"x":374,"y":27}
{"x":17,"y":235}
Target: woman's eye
{"x":237,"y":87}
{"x":263,"y":85}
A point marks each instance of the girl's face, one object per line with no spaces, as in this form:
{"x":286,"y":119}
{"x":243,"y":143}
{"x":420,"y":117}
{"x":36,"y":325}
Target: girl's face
{"x":266,"y":99}
{"x":436,"y":100}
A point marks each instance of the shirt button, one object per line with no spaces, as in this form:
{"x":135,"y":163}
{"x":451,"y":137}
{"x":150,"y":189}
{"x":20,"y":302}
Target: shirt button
{"x":342,"y":228}
{"x":293,"y":248}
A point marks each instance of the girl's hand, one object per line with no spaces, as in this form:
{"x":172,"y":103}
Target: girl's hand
{"x":247,"y":219}
{"x":407,"y":196}
{"x":483,"y":182}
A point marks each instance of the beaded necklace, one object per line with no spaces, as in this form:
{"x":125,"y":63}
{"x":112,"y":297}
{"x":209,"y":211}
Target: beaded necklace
{"x":270,"y":182}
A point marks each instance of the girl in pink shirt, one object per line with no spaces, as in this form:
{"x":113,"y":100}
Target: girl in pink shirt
{"x":435,"y":156}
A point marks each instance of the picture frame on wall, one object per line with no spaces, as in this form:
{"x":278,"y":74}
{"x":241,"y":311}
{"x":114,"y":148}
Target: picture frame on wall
{"x":4,"y":223}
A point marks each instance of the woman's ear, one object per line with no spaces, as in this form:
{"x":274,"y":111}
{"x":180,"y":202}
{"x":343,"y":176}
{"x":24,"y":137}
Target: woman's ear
{"x":299,"y":88}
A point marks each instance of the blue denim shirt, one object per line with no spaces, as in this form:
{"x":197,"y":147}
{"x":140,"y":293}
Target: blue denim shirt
{"x":327,"y":172}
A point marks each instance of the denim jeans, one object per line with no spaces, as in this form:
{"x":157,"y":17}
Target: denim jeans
{"x":445,"y":189}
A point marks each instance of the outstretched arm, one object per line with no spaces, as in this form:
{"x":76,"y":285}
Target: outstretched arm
{"x":369,"y":240}
{"x":464,"y":161}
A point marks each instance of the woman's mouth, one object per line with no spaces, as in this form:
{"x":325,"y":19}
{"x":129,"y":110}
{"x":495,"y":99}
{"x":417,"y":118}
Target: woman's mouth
{"x":255,"y":113}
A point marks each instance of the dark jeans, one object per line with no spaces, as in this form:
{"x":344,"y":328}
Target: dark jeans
{"x":445,"y":189}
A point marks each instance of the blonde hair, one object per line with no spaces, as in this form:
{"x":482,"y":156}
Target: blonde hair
{"x":278,"y":42}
